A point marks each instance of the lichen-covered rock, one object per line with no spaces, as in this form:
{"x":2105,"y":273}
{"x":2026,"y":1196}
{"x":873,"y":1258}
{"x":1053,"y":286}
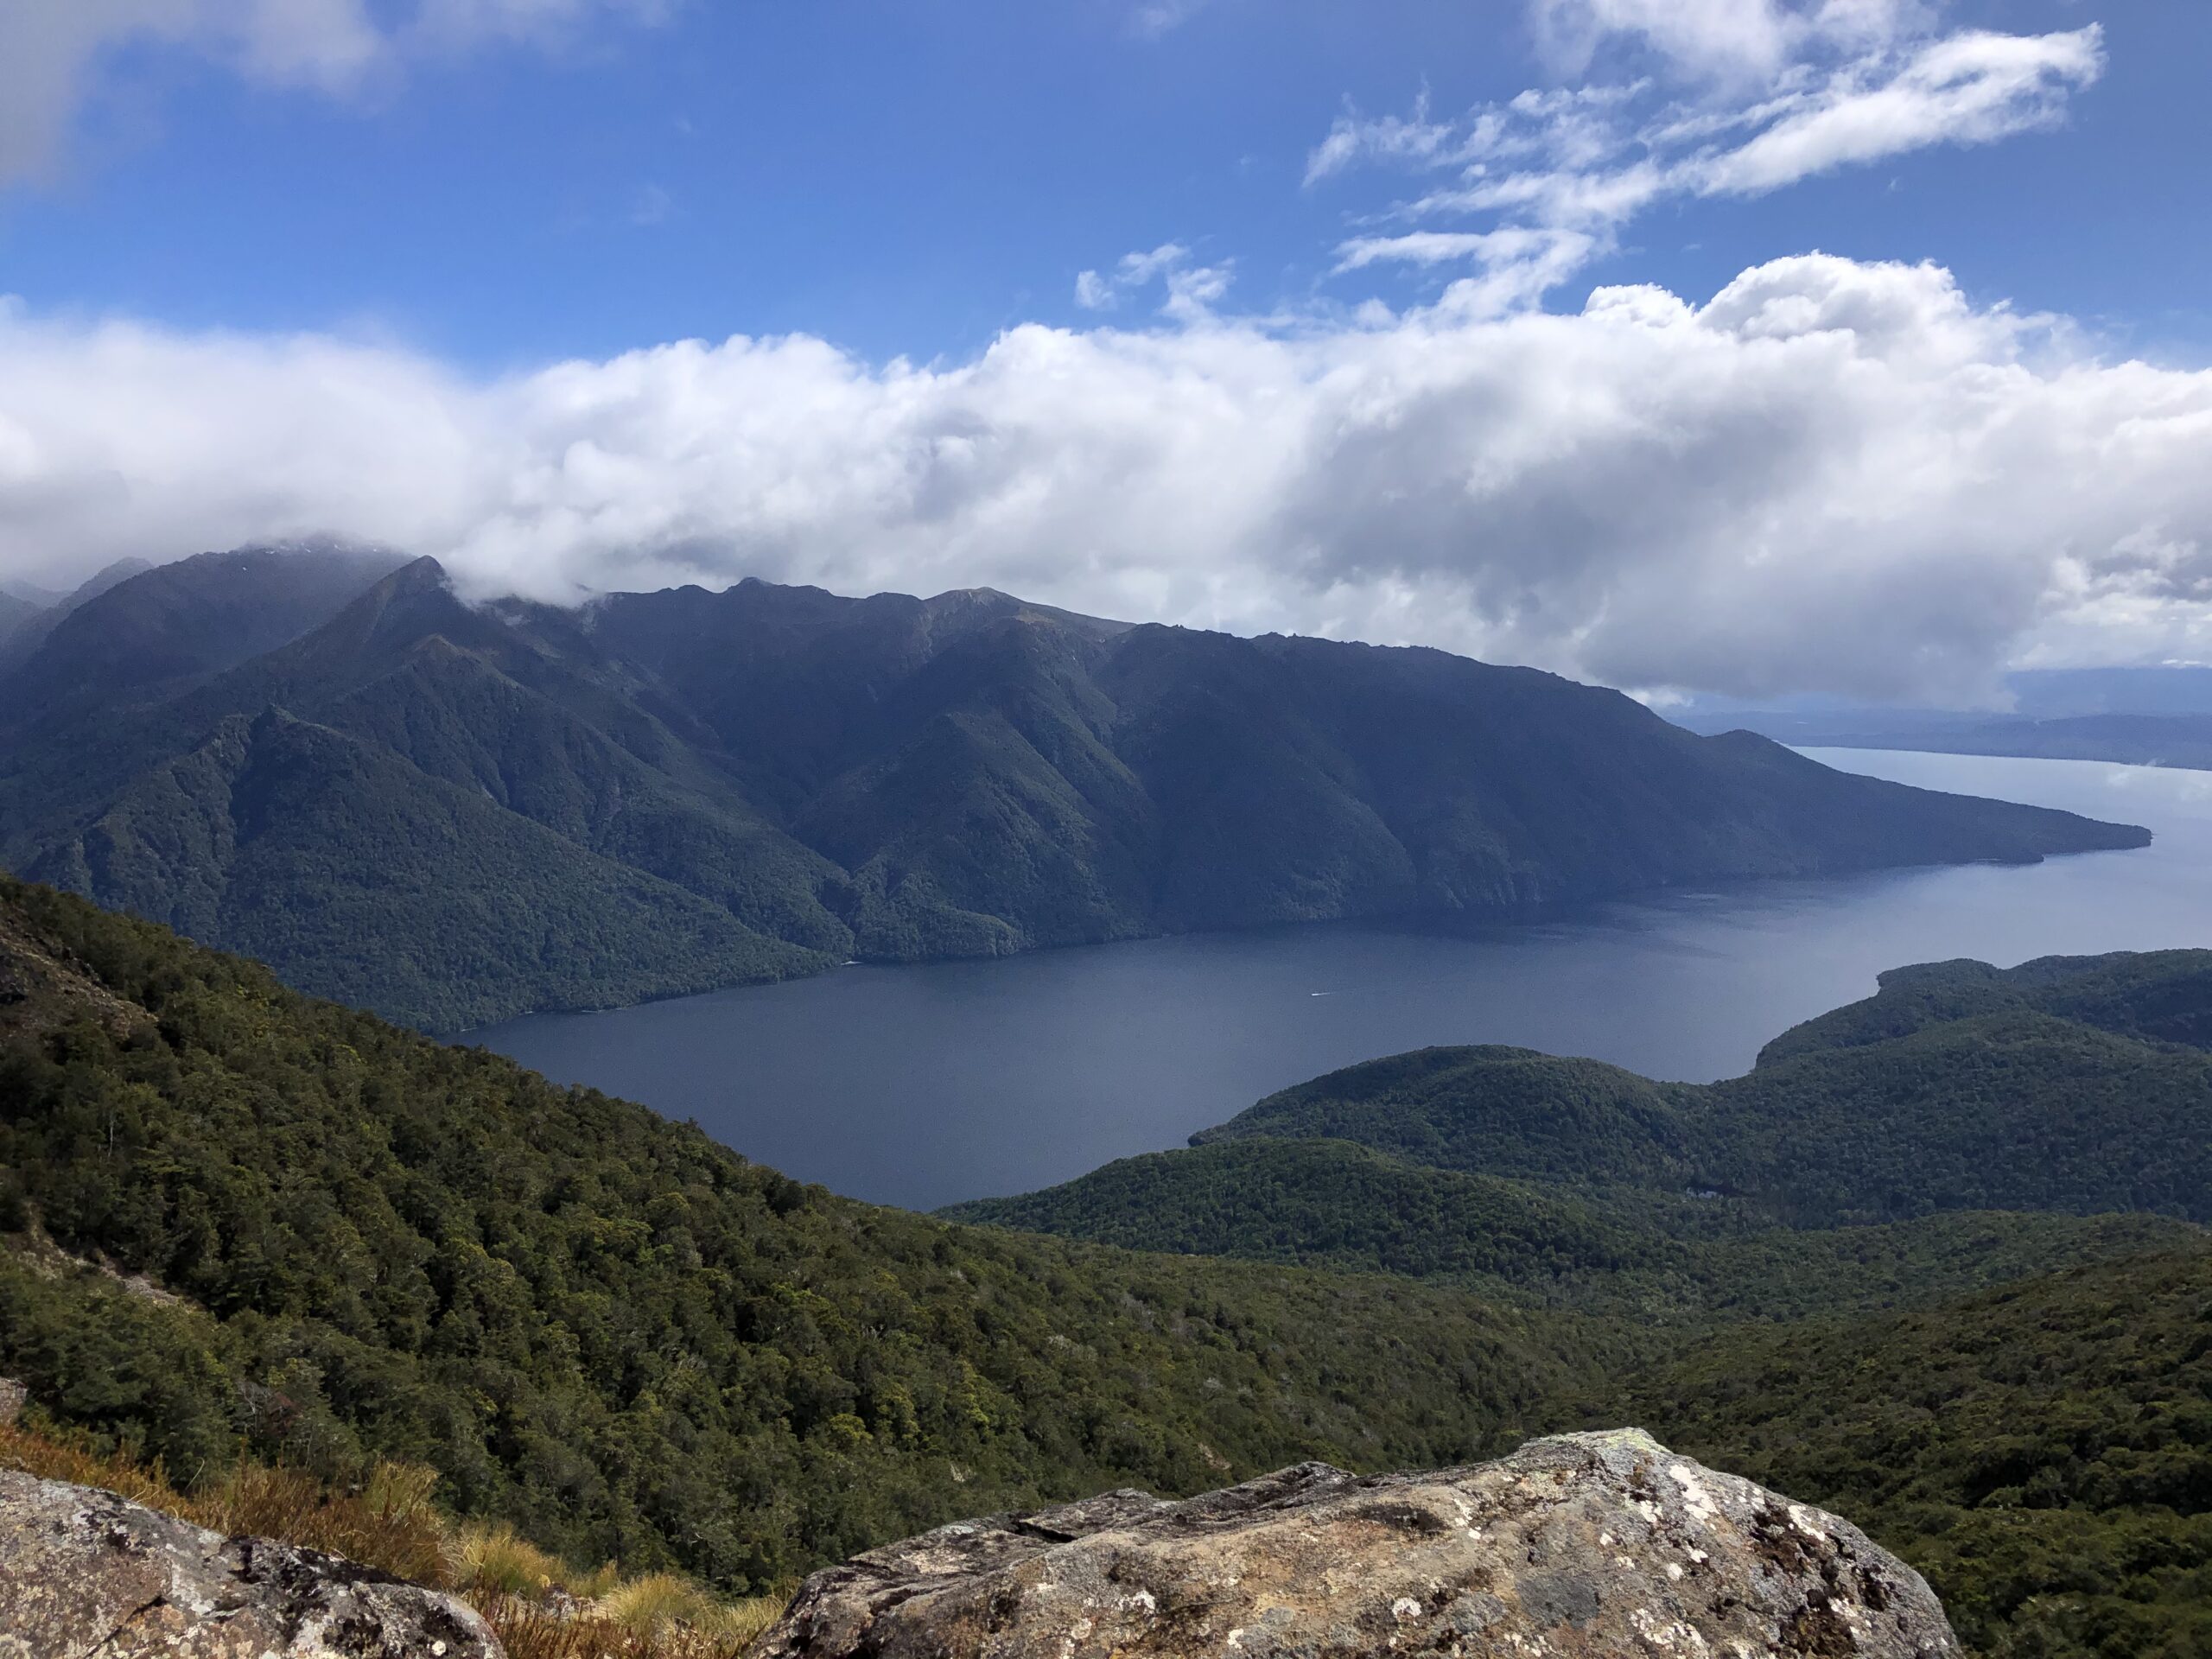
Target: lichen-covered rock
{"x":1580,"y":1546}
{"x":85,"y":1574}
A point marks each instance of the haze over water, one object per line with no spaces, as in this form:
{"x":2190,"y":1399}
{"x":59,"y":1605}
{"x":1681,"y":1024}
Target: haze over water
{"x":922,"y":1085}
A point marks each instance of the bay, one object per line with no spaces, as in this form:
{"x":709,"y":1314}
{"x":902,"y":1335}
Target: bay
{"x":922,"y":1085}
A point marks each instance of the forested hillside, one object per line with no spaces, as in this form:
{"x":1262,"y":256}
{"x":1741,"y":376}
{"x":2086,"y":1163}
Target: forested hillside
{"x":2072,"y":1085}
{"x":2043,"y":1453}
{"x":715,"y":788}
{"x":237,"y":1218}
{"x":1650,"y":1255}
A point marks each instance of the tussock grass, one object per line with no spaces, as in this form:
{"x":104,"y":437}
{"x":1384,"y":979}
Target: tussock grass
{"x":497,"y":1561}
{"x":538,"y":1606}
{"x":389,"y":1523}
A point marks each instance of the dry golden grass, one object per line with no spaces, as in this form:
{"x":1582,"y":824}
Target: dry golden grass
{"x":55,"y":1459}
{"x":532,"y":1630}
{"x":538,"y":1605}
{"x":497,"y":1561}
{"x":388,"y":1525}
{"x":662,"y":1605}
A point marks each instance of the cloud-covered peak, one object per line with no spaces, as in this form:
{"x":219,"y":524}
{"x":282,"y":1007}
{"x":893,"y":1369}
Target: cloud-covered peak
{"x":1829,"y":476}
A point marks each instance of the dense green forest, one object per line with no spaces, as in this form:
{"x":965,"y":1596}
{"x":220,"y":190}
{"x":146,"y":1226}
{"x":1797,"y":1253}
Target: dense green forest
{"x":1652,"y":1254}
{"x":603,"y":1325}
{"x":689,"y":789}
{"x":2066,"y":1084}
{"x":239,"y":1219}
{"x":2043,"y":1453}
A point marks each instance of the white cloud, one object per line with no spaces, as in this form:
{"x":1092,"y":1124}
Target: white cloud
{"x":1839,"y":83}
{"x":1728,"y":38}
{"x":1972,"y":88}
{"x":1356,"y":138}
{"x":1154,"y":18}
{"x":1517,"y":267}
{"x":1830,"y":475}
{"x":53,"y":53}
{"x":1191,"y":289}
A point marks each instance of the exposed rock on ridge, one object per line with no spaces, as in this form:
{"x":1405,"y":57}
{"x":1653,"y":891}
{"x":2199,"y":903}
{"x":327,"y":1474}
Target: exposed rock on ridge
{"x":85,"y":1574}
{"x":1584,"y":1544}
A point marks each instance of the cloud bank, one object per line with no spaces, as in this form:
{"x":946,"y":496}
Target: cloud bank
{"x":1829,"y":476}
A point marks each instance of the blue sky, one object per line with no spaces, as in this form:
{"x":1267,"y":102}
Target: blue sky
{"x":914,"y":177}
{"x":1493,"y":324}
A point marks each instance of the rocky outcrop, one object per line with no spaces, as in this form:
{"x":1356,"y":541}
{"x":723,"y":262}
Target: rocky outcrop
{"x":44,"y":987}
{"x":1582,"y":1544}
{"x":85,"y":1574}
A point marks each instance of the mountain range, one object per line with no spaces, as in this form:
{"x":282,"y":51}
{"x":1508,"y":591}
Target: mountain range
{"x":452,"y":813}
{"x":2148,"y":717}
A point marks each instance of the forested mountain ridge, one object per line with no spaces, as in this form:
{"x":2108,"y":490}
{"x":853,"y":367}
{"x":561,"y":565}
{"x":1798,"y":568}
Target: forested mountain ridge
{"x":168,"y":627}
{"x":772,"y":778}
{"x":14,"y":612}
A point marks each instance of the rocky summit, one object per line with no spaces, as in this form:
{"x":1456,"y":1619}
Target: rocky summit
{"x":1582,"y":1544}
{"x":85,"y":1574}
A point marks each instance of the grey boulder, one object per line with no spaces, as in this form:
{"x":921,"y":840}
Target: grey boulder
{"x":1579,"y":1547}
{"x":85,"y":1574}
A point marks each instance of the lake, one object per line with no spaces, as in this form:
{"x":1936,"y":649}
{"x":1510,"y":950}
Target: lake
{"x":920,"y":1086}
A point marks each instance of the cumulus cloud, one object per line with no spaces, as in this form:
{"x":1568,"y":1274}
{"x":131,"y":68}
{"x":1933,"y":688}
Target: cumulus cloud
{"x":1829,"y":475}
{"x":52,"y":52}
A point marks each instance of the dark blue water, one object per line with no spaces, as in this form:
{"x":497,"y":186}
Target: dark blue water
{"x":919,"y":1086}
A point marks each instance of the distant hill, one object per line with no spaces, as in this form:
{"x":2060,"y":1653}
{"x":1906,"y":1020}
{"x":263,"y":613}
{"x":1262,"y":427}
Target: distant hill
{"x":30,"y":632}
{"x":2151,"y":716}
{"x":2075,"y":1086}
{"x":14,"y":614}
{"x":757,"y":782}
{"x":1662,"y":1257}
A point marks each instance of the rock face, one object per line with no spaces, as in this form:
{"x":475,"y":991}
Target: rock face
{"x":85,"y":1574}
{"x":1582,"y":1544}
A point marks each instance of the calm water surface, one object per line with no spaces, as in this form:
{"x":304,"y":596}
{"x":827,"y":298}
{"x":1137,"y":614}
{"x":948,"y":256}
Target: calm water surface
{"x":919,"y":1086}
